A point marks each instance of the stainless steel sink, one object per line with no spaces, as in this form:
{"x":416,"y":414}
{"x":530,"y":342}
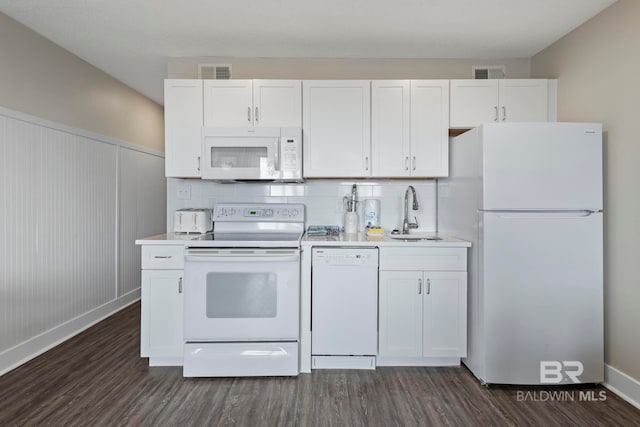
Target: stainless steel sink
{"x":414,"y":237}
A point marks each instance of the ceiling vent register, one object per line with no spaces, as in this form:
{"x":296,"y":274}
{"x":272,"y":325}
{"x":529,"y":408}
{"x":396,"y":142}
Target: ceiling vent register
{"x":214,"y":71}
{"x":484,"y":73}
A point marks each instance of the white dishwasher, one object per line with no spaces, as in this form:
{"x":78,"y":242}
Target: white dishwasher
{"x":344,"y":308}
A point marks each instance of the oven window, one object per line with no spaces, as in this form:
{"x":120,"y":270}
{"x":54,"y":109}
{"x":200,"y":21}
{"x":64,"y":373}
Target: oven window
{"x":241,"y":295}
{"x":237,"y":157}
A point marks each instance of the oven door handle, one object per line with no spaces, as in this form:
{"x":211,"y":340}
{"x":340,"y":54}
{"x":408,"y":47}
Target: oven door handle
{"x":240,"y":258}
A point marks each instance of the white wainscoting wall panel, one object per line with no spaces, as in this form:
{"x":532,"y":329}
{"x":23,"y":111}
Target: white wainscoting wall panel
{"x":143,"y":200}
{"x":59,"y":240}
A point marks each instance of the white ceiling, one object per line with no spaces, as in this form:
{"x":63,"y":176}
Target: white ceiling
{"x":131,"y":39}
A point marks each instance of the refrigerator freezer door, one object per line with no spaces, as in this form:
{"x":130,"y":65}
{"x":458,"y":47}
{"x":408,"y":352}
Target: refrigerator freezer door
{"x":542,"y":166}
{"x":543,"y":294}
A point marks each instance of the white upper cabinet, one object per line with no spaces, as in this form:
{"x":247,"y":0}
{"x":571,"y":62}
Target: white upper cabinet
{"x":336,"y":128}
{"x":474,"y":102}
{"x":228,"y":103}
{"x":410,"y":123}
{"x":277,"y":103}
{"x":183,"y":127}
{"x":524,"y":100}
{"x":252,"y":103}
{"x":429,"y":128}
{"x":390,"y":119}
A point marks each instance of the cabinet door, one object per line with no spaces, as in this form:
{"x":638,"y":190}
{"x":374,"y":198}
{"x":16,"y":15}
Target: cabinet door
{"x":400,"y":314}
{"x":336,"y":128}
{"x":445,"y":314}
{"x":183,"y":127}
{"x":228,"y":103}
{"x":473,"y":102}
{"x":390,"y":115}
{"x":161,"y":328}
{"x":429,"y":128}
{"x":524,"y":100}
{"x":277,"y":103}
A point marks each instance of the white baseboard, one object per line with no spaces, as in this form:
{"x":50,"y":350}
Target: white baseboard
{"x":417,"y":361}
{"x":27,"y":350}
{"x":623,"y":385}
{"x":166,"y":361}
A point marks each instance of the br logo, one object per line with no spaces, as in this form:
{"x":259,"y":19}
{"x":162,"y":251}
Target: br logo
{"x":553,"y":371}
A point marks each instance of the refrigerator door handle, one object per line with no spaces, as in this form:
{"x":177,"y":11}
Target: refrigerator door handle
{"x":544,"y":213}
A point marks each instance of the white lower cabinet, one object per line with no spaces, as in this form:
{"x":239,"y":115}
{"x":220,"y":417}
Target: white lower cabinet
{"x":444,"y":314}
{"x":161,"y":335}
{"x":400,"y":314}
{"x":422,"y":313}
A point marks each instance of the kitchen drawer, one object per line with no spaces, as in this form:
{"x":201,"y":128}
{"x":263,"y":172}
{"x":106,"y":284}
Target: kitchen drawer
{"x":417,"y":258}
{"x":163,"y":257}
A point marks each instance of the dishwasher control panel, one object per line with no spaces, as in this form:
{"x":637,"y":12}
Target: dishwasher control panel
{"x":345,"y":256}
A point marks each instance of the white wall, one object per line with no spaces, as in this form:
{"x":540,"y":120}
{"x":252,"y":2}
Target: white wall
{"x":345,"y":68}
{"x":597,"y":69}
{"x":40,"y":78}
{"x":66,"y":234}
{"x":322,"y":198}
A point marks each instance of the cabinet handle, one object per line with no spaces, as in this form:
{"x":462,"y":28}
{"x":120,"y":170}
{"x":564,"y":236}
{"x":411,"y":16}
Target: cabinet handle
{"x":406,"y":163}
{"x":256,"y":115}
{"x":496,"y":118}
{"x":504,"y":113}
{"x":198,"y":163}
{"x":414,"y":163}
{"x":366,"y":163}
{"x":428,"y":286}
{"x":249,"y":114}
{"x":180,"y":285}
{"x":419,"y":286}
{"x":163,"y":256}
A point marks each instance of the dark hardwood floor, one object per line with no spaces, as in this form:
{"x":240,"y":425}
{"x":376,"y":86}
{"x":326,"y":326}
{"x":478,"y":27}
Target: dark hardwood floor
{"x":98,"y":378}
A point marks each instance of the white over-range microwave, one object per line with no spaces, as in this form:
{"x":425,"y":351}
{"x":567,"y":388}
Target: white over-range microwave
{"x":252,"y":153}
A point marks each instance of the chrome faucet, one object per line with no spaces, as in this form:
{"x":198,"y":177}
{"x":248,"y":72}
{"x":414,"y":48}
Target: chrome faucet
{"x":406,"y":225}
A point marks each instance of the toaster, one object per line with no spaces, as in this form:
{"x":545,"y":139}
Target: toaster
{"x":193,"y":221}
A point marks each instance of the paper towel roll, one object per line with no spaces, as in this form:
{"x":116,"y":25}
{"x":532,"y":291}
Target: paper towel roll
{"x":372,"y":213}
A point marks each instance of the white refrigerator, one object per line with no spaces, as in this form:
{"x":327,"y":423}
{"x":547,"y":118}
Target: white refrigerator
{"x":529,"y":198}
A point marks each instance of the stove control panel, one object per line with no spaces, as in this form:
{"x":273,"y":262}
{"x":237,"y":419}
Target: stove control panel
{"x":270,"y":212}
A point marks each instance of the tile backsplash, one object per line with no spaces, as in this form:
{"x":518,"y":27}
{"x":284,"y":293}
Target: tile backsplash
{"x":322,"y":198}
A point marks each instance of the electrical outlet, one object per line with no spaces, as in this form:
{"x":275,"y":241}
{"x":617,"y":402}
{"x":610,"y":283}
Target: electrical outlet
{"x":184,"y":192}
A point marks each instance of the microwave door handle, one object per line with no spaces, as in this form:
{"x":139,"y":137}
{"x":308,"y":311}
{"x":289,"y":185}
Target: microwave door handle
{"x":276,"y":156}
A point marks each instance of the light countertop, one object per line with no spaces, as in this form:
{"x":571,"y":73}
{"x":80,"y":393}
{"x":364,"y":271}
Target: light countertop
{"x":361,"y":239}
{"x":167,"y":239}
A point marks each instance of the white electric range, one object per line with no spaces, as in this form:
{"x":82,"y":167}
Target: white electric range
{"x":242,"y":292}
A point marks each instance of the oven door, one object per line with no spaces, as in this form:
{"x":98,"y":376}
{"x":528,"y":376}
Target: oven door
{"x":241,"y":153}
{"x":241,"y":295}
